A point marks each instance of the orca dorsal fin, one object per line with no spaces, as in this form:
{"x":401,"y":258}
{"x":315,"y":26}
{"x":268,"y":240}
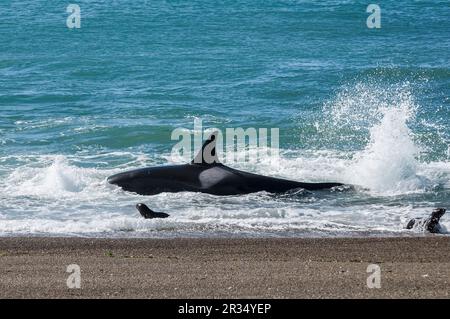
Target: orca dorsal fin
{"x":208,"y":155}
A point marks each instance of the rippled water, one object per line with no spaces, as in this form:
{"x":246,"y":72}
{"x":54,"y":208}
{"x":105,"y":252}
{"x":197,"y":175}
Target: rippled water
{"x":367,"y":107}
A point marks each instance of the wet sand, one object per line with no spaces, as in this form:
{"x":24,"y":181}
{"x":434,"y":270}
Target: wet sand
{"x":416,"y":267}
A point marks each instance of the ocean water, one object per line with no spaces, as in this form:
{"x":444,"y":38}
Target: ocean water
{"x":366,"y":107}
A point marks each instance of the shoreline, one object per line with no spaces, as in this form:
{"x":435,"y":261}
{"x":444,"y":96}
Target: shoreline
{"x":410,"y":267}
{"x":228,"y":235}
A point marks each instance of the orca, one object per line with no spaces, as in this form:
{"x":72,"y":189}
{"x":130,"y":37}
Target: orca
{"x":206,"y":174}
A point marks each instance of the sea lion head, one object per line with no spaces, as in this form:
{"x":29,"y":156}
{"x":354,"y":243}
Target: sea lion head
{"x":438,"y":213}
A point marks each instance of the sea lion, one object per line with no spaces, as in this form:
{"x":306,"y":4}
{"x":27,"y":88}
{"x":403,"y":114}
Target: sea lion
{"x":147,"y":213}
{"x":430,"y":224}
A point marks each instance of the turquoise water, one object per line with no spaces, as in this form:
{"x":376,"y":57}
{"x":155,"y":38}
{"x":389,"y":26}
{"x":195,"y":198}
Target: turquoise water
{"x":367,"y":107}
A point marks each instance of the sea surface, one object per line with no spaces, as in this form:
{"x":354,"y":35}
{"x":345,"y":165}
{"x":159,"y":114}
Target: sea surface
{"x":368,"y":107}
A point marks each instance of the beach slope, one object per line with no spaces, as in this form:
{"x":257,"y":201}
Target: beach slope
{"x":225,"y":268}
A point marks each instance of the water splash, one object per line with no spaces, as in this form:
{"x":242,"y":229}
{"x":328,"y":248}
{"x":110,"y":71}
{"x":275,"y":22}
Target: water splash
{"x":58,"y":179}
{"x":381,"y":116}
{"x":389,"y":162}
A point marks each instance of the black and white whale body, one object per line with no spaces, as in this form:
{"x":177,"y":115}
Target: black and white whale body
{"x":205,"y":174}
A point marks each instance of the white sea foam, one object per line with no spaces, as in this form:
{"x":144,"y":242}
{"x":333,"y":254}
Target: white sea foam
{"x":388,"y":164}
{"x":73,"y":200}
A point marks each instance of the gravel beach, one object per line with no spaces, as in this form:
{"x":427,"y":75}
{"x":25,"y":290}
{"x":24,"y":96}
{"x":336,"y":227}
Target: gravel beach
{"x":36,"y":267}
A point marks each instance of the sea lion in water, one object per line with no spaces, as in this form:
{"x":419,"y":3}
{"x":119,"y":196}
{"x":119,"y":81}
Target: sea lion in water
{"x":147,"y":213}
{"x":430,"y":224}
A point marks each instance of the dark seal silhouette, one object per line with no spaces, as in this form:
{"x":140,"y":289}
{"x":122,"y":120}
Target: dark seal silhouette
{"x":147,"y":213}
{"x":207,"y":175}
{"x":430,"y":224}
